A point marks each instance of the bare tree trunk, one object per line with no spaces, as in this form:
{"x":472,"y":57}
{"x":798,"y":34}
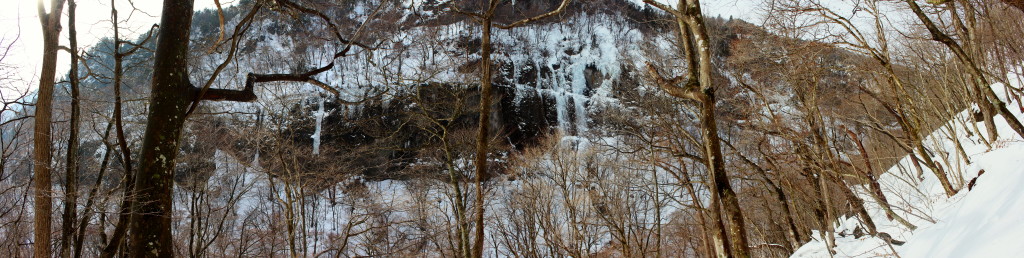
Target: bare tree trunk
{"x":720,"y":234}
{"x":780,"y":194}
{"x":874,"y":187}
{"x":170,"y":97}
{"x":698,"y":87}
{"x":720,"y":185}
{"x":125,"y":211}
{"x":71,"y":172}
{"x":482,"y":137}
{"x":41,"y":152}
{"x":486,"y":19}
{"x":712,"y":144}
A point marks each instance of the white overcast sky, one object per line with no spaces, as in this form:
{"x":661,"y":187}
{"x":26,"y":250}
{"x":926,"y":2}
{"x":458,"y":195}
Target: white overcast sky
{"x":19,"y":20}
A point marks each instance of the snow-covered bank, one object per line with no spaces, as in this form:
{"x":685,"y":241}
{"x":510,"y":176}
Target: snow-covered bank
{"x":985,"y":221}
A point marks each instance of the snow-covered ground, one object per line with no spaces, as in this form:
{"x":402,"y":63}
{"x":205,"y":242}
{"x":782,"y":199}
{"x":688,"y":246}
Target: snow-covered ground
{"x":987,"y":221}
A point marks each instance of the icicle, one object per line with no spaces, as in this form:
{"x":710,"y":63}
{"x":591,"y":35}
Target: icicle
{"x":561,"y":112}
{"x":256,"y":159}
{"x":578,"y":87}
{"x":319,"y":115}
{"x":581,"y":114}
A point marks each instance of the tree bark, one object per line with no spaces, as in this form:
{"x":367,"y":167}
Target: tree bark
{"x":712,"y":144}
{"x":71,"y":171}
{"x":482,"y":137}
{"x":125,"y":211}
{"x":41,"y":152}
{"x":699,"y":87}
{"x":170,"y":98}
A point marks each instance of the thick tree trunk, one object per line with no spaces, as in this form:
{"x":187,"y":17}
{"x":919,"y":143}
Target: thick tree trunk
{"x":41,"y":152}
{"x":724,"y":203}
{"x":712,"y":144}
{"x":720,"y":185}
{"x":170,"y":97}
{"x":720,"y":233}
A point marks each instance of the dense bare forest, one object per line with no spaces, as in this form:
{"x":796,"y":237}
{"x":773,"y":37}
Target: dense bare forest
{"x":510,"y":128}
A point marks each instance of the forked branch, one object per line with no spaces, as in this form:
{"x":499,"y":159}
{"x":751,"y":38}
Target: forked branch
{"x":690,"y":90}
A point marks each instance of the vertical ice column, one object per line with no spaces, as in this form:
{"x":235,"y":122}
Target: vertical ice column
{"x":579,"y":86}
{"x":319,"y":115}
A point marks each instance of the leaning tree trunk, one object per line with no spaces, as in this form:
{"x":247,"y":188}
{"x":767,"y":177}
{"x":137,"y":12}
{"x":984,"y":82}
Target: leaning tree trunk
{"x":712,"y":144}
{"x":972,"y":68}
{"x":792,"y":233}
{"x":1019,"y":4}
{"x":170,"y":98}
{"x":41,"y":151}
{"x":698,"y":87}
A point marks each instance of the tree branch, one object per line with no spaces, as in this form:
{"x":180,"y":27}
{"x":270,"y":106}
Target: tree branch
{"x":247,"y":94}
{"x":690,"y":90}
{"x":561,"y":7}
{"x":325,"y":18}
{"x":663,"y":7}
{"x":455,"y":8}
{"x":240,"y":29}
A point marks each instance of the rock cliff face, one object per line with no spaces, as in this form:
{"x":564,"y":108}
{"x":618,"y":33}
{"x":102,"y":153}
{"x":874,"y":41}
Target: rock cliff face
{"x":550,"y":78}
{"x":567,"y":75}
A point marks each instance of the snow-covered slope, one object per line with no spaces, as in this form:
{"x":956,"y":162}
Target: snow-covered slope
{"x":985,"y":221}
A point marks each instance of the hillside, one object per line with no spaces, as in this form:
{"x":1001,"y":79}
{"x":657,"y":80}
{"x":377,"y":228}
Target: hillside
{"x":981,"y":221}
{"x":616,"y":128}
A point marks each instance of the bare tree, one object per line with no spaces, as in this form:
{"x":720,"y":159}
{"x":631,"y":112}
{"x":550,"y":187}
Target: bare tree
{"x":973,"y":68}
{"x":15,"y":217}
{"x":173,"y":98}
{"x":41,"y":137}
{"x":72,"y":165}
{"x":486,"y":19}
{"x":698,"y":87}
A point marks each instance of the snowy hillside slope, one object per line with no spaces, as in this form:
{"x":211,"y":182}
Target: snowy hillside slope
{"x":984,"y":221}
